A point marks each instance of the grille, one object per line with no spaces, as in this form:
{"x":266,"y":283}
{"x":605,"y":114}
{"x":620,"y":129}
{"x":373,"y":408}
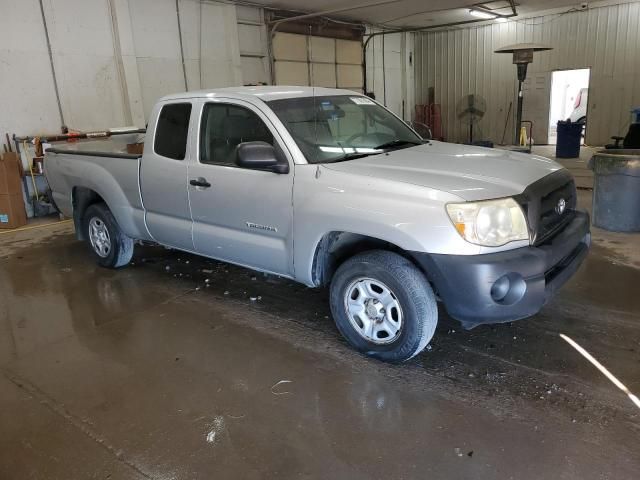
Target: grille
{"x":540,"y":202}
{"x":550,"y":221}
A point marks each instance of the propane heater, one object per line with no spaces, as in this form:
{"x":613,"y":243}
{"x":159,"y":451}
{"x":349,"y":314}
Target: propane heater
{"x":522,"y":57}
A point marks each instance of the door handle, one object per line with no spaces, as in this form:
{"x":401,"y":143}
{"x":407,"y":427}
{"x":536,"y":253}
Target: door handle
{"x":200,"y":182}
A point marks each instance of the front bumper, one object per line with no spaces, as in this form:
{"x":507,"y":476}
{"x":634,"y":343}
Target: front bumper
{"x":510,"y":285}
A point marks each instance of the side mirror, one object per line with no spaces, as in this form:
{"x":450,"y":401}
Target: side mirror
{"x":261,"y":156}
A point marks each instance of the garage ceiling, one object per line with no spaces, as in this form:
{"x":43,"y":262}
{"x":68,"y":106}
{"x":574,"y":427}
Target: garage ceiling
{"x":412,"y":13}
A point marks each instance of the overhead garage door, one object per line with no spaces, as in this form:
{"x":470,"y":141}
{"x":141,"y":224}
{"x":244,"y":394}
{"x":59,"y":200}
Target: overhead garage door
{"x":317,"y":61}
{"x":252,"y":40}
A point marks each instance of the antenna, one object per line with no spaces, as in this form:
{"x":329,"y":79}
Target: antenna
{"x":315,"y":114}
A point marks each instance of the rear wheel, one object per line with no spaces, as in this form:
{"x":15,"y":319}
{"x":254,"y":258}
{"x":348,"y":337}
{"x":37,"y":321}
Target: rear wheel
{"x":108,"y":244}
{"x":383,"y":305}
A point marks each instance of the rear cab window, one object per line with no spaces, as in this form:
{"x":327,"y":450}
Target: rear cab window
{"x":172,"y":131}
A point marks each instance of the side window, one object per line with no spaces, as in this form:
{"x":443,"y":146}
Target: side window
{"x":224,"y":127}
{"x":171,"y":131}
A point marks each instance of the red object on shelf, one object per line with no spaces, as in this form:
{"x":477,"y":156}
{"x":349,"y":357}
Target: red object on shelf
{"x":431,"y":116}
{"x":434,"y":120}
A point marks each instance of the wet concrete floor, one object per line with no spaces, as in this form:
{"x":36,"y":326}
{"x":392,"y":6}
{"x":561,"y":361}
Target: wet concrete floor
{"x":169,"y":370}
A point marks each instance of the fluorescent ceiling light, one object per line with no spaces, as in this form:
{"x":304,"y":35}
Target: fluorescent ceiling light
{"x":481,"y":14}
{"x":501,"y":20}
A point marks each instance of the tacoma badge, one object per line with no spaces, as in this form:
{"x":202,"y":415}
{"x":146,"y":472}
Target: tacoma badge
{"x":261,"y":227}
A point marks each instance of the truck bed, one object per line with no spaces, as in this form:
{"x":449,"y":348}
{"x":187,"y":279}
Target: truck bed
{"x":104,"y":167}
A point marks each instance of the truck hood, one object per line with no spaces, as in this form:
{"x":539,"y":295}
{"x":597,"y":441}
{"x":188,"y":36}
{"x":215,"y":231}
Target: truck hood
{"x":471,"y":173}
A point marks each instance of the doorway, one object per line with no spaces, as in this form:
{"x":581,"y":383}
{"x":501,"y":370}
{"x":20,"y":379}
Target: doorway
{"x":569,"y":94}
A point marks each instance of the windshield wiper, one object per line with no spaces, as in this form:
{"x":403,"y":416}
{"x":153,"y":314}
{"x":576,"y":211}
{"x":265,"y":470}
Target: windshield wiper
{"x":351,"y":156}
{"x":396,"y":143}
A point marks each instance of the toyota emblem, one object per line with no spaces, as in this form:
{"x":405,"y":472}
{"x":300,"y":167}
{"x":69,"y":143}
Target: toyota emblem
{"x":562,"y":204}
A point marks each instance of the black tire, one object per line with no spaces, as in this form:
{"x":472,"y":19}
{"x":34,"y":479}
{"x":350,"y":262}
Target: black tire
{"x":121,"y":246}
{"x":411,"y":290}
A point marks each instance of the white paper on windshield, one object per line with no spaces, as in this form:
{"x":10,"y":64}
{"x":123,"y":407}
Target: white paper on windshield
{"x":362,"y":101}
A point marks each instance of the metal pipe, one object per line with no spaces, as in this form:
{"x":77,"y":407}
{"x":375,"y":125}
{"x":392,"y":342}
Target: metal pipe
{"x":402,"y":30}
{"x":506,"y":122}
{"x":384,"y":76}
{"x":418,"y":30}
{"x":53,"y":68}
{"x":522,"y":74}
{"x":80,"y":135}
{"x":184,"y":68}
{"x":422,"y":29}
{"x":117,"y":51}
{"x":518,"y":114}
{"x":512,"y":3}
{"x":275,"y":23}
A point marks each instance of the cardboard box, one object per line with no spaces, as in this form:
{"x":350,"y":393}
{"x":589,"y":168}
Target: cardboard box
{"x":10,"y":174}
{"x":12,"y":212}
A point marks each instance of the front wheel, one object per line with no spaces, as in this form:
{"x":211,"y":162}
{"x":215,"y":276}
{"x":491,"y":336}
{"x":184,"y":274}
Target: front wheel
{"x":108,"y":244}
{"x":383,"y":305}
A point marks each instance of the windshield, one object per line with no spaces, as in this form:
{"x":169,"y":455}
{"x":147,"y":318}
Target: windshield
{"x":342,"y":127}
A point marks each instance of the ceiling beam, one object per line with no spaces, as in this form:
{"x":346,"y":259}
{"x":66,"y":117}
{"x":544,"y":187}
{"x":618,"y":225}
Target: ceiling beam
{"x":274,"y":24}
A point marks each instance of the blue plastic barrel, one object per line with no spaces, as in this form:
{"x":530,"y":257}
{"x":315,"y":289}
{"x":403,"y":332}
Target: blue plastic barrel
{"x":569,"y":137}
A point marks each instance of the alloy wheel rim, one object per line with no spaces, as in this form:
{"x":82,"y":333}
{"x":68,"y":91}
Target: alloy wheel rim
{"x":373,"y":310}
{"x":99,"y":237}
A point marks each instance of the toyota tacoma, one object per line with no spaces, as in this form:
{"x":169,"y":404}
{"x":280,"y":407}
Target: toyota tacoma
{"x":328,"y":188}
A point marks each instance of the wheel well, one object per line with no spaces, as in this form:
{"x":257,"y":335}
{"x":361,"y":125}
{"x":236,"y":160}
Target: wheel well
{"x":82,"y":198}
{"x":336,"y":247}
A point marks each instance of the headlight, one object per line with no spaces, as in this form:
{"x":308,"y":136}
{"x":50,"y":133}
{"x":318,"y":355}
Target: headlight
{"x":490,"y":223}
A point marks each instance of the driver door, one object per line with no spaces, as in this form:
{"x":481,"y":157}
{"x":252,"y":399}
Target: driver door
{"x":239,"y":215}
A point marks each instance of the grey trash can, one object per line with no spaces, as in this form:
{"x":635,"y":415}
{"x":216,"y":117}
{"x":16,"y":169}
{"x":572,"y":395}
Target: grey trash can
{"x":616,"y":190}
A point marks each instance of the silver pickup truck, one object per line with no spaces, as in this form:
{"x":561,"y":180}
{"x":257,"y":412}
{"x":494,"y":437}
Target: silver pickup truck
{"x":329,"y":188}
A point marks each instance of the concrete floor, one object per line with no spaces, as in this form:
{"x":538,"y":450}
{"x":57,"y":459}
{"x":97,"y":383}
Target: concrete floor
{"x":168,"y":370}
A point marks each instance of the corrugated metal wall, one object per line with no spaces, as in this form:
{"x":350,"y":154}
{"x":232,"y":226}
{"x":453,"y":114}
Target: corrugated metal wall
{"x":461,"y":61}
{"x":114,"y":58}
{"x":390,"y":71}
